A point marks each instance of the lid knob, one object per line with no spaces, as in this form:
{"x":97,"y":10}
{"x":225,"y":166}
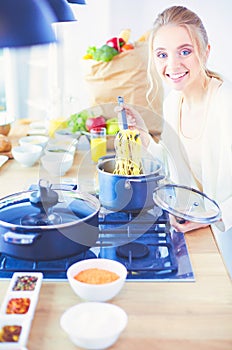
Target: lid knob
{"x":45,"y":197}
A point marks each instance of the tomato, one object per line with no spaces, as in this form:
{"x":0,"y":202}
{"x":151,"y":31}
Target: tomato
{"x":95,"y":122}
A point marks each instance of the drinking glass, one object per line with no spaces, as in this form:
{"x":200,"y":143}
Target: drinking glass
{"x":97,"y":143}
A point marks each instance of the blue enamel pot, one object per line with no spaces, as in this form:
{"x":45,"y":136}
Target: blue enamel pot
{"x":128,"y":193}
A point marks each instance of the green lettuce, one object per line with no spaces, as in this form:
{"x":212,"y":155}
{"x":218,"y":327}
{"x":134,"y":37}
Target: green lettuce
{"x":77,"y":121}
{"x":105,"y":53}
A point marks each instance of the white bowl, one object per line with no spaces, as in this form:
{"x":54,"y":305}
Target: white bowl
{"x":16,"y":320}
{"x":27,"y":155}
{"x":57,"y":163}
{"x":34,"y":140}
{"x":60,"y":149}
{"x":66,"y":134}
{"x":93,"y":325}
{"x":97,"y":292}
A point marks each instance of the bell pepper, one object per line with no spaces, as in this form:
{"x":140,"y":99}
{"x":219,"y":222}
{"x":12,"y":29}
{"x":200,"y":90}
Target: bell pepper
{"x":116,"y":43}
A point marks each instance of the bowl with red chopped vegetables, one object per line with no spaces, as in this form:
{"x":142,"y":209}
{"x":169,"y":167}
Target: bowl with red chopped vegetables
{"x":97,"y":279}
{"x":19,"y":303}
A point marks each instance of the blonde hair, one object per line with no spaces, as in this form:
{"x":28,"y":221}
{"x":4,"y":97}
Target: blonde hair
{"x":180,"y":16}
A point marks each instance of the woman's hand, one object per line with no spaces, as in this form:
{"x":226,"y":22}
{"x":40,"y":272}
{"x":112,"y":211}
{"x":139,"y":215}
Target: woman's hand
{"x":135,"y":121}
{"x":186,"y":226}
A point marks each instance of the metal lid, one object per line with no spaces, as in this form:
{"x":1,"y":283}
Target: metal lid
{"x":45,"y":208}
{"x":187,"y":203}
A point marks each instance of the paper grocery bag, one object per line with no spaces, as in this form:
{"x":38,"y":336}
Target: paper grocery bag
{"x":125,"y":75}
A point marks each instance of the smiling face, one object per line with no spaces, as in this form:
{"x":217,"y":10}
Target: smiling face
{"x":176,"y":58}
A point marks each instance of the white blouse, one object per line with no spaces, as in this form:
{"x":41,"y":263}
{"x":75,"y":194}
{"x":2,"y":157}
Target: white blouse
{"x":193,"y":148}
{"x":213,"y":168}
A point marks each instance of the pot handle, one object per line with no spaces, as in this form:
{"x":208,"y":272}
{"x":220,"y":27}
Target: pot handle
{"x":20,"y":239}
{"x":108,"y":156}
{"x":144,"y":179}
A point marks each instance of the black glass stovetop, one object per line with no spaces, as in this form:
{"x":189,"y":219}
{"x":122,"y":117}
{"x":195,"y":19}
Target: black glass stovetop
{"x":144,"y":242}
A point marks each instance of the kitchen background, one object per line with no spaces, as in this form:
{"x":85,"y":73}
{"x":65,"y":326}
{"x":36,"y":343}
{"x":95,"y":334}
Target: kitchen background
{"x":43,"y":82}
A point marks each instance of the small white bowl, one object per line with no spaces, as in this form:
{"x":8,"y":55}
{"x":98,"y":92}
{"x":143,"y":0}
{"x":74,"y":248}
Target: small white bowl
{"x":16,"y":320}
{"x":34,"y":140}
{"x":57,"y":163}
{"x":97,"y":292}
{"x":27,"y":155}
{"x":60,"y":149}
{"x":20,"y":295}
{"x":66,"y":134}
{"x":93,"y":325}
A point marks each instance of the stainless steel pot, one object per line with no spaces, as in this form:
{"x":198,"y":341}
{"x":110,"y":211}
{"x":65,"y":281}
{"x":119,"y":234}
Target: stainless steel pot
{"x":48,"y":224}
{"x":128,"y":193}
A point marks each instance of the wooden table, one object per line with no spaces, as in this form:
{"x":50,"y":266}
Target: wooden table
{"x":161,"y":315}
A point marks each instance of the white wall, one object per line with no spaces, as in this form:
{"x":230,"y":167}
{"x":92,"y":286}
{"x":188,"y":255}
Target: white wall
{"x":139,"y":16}
{"x":100,"y":20}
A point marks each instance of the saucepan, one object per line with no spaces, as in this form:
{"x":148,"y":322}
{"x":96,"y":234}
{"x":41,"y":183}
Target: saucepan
{"x":48,"y":223}
{"x":126,"y":192}
{"x":153,"y":188}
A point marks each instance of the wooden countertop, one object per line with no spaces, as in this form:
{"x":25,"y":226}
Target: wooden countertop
{"x":161,"y":315}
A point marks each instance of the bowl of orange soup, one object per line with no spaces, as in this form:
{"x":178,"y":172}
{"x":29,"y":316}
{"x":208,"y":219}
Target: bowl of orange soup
{"x":97,"y":279}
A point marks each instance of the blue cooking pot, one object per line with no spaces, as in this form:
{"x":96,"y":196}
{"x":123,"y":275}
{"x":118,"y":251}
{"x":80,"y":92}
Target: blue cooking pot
{"x":128,"y":193}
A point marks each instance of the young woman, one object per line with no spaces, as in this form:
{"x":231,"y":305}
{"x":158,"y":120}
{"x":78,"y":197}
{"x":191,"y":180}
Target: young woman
{"x":197,"y":111}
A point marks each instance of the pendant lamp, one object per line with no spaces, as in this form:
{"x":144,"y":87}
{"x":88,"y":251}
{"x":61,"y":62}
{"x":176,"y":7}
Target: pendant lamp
{"x":25,"y":23}
{"x":80,"y":2}
{"x":62,"y":10}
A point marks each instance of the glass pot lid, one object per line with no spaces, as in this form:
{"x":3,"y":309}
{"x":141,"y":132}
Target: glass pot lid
{"x":187,"y":203}
{"x":46,"y":207}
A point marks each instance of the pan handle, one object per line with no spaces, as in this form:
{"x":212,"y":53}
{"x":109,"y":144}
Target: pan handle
{"x":108,"y":156}
{"x":20,"y":239}
{"x":180,"y":220}
{"x":128,"y":182}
